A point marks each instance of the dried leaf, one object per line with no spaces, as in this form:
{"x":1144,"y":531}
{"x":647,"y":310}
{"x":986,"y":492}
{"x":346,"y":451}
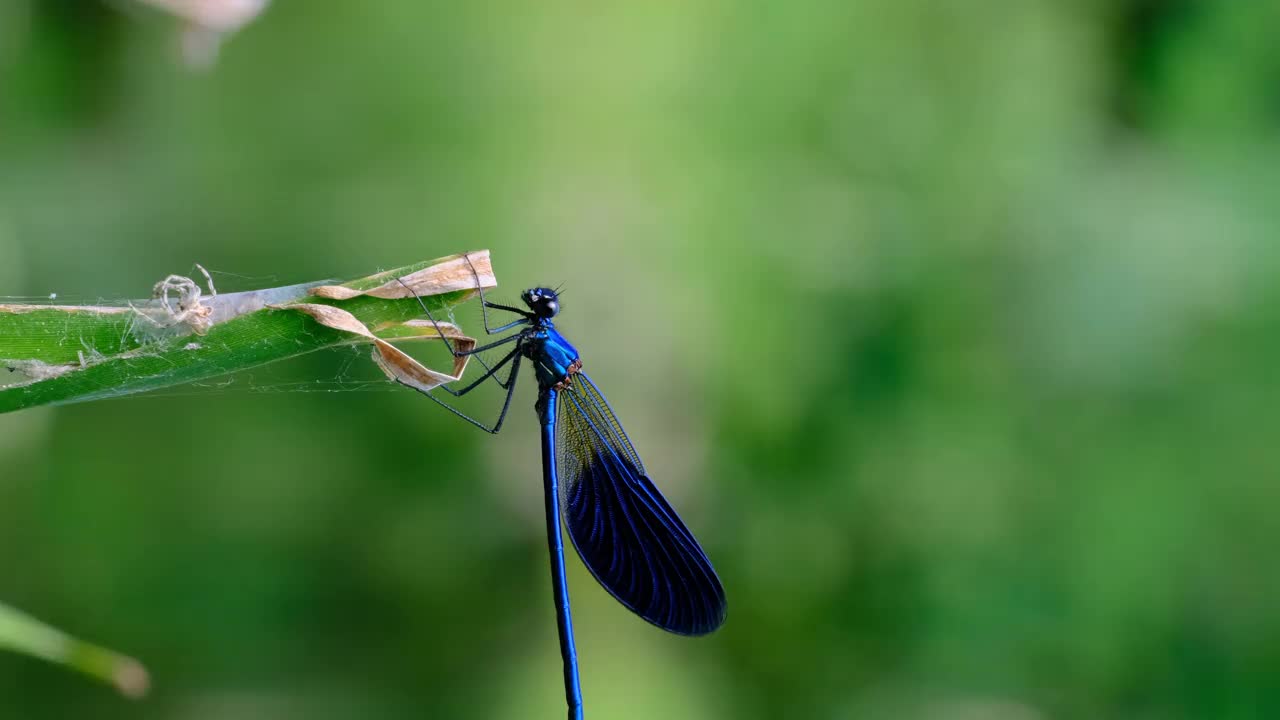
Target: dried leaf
{"x":394,"y":362}
{"x":451,"y":275}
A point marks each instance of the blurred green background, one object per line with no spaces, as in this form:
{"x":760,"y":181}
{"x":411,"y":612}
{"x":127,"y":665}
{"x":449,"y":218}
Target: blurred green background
{"x":951,"y":328}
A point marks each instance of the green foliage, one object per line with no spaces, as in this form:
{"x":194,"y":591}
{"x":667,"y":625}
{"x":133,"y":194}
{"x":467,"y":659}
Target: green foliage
{"x":950,"y":328}
{"x":76,"y":353}
{"x":25,"y":634}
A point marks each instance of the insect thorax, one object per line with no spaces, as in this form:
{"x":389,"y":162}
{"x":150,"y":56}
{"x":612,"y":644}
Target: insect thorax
{"x":554,"y":358}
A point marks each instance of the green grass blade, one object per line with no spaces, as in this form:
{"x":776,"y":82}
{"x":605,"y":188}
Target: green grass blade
{"x":22,"y":633}
{"x":53,"y":354}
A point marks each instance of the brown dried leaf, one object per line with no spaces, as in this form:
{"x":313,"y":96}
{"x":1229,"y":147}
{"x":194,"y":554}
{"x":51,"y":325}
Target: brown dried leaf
{"x":451,"y":275}
{"x":398,"y":365}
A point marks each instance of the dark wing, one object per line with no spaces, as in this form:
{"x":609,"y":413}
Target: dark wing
{"x":625,"y":531}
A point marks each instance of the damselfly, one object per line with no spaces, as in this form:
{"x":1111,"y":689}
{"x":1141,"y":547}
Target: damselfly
{"x":626,"y":533}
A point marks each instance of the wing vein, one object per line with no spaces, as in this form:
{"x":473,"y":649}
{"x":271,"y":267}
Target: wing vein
{"x":625,"y":531}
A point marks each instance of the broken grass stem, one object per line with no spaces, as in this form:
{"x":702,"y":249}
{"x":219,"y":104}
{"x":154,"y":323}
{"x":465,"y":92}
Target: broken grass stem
{"x":22,"y":633}
{"x":67,"y":353}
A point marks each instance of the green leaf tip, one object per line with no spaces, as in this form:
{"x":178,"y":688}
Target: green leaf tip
{"x":22,"y":633}
{"x":55,"y":354}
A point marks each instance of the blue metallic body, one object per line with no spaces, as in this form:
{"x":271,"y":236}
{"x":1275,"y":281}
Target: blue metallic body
{"x":555,"y":544}
{"x":554,"y":358}
{"x":627,"y":534}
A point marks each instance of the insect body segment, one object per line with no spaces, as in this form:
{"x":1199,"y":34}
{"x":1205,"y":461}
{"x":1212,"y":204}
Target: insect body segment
{"x":555,"y":360}
{"x":625,"y":531}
